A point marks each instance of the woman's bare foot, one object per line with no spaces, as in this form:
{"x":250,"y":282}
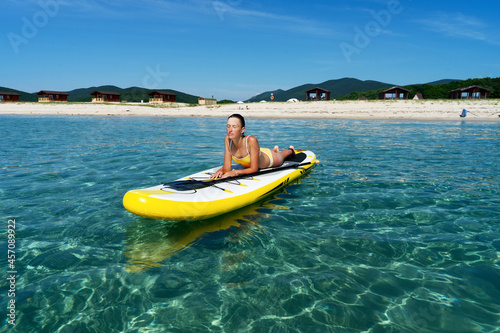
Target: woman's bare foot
{"x":276,"y":149}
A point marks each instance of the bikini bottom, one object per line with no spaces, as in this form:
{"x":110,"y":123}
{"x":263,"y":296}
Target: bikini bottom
{"x":267,"y":151}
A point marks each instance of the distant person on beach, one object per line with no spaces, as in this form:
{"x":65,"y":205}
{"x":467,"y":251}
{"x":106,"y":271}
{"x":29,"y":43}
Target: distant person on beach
{"x":245,"y":150}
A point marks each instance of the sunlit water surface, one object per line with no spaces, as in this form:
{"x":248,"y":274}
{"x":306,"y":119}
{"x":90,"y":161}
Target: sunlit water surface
{"x":396,"y":230}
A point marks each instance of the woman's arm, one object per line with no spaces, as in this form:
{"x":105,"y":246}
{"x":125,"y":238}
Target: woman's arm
{"x":254,"y":149}
{"x":226,"y":167}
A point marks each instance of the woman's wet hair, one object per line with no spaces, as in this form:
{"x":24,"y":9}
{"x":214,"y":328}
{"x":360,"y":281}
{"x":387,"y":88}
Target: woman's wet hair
{"x":238,"y":116}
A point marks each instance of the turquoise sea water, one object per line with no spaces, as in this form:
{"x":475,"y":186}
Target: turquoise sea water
{"x":396,"y":230}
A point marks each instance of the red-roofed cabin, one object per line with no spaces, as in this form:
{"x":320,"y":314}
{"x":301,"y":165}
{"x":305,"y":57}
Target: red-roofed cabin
{"x":471,"y":92}
{"x":161,"y":97}
{"x":394,"y":93}
{"x":317,"y":94}
{"x":52,"y":96}
{"x":105,"y":96}
{"x":9,"y":96}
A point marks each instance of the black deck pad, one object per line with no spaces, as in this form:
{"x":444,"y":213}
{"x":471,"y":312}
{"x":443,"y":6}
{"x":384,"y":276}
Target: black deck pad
{"x":196,"y":184}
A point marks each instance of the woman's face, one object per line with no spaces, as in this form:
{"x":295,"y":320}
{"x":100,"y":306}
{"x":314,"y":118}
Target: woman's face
{"x":234,"y":129}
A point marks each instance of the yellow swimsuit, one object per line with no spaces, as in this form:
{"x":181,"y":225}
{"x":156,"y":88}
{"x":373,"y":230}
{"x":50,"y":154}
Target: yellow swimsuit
{"x":245,"y":161}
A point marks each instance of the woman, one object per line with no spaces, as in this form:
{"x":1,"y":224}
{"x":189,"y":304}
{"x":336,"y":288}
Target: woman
{"x":246,"y":151}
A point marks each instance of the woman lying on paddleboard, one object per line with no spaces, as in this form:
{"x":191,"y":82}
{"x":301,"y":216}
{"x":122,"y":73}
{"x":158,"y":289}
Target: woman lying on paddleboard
{"x":246,"y":151}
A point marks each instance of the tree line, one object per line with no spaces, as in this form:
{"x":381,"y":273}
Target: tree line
{"x":434,"y":91}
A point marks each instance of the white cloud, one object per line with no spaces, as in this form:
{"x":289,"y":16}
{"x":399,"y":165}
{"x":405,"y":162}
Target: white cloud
{"x":235,"y":11}
{"x":270,"y":20}
{"x":456,"y":25}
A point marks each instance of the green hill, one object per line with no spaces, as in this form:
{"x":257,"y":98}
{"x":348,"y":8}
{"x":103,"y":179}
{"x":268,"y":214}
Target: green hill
{"x":83,"y":94}
{"x":24,"y":96}
{"x":342,"y":89}
{"x":136,"y":94}
{"x":337,"y":89}
{"x":132,"y":94}
{"x":435,"y":90}
{"x":442,"y":81}
{"x":345,"y":88}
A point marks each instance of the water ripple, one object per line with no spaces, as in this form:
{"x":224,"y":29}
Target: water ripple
{"x":396,"y":230}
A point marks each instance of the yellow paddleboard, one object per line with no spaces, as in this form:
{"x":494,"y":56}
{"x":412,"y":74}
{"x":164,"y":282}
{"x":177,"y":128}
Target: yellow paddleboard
{"x":197,"y":197}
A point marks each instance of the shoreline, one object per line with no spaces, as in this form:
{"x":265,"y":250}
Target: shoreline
{"x":480,"y":110}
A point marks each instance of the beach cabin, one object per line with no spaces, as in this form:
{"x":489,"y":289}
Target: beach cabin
{"x":6,"y":96}
{"x":394,"y":93}
{"x":207,"y":101}
{"x":46,"y":96}
{"x":161,"y":97}
{"x":471,"y":92}
{"x":317,"y":94}
{"x":105,"y":96}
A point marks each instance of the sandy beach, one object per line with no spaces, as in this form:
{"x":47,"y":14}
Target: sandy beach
{"x":484,"y":110}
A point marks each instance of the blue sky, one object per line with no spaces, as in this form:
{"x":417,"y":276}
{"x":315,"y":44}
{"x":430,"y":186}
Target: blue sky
{"x":235,"y":49}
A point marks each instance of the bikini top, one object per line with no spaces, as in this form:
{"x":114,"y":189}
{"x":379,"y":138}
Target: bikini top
{"x":244,"y":161}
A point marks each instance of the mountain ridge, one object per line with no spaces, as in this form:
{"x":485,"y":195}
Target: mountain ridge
{"x":337,"y":88}
{"x":343,"y":88}
{"x":131,"y":94}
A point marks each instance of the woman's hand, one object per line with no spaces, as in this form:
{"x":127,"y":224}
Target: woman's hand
{"x":232,"y":173}
{"x":218,"y":174}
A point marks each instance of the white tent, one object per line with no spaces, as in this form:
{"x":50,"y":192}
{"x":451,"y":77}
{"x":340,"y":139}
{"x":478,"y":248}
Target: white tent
{"x":239,"y":102}
{"x":293,"y":100}
{"x":263,"y":101}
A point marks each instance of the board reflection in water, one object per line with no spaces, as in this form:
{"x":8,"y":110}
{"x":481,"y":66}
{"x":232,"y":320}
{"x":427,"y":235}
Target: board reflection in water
{"x":149,"y":242}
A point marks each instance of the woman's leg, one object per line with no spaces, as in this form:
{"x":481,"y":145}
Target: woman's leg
{"x":280,"y":156}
